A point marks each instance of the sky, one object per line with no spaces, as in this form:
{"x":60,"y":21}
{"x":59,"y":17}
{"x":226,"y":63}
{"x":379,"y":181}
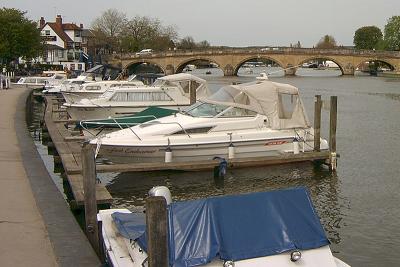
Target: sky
{"x":232,"y":22}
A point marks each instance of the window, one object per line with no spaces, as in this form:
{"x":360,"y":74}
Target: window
{"x":195,"y":130}
{"x":77,"y":33}
{"x":187,"y":85}
{"x":60,"y":53}
{"x":237,"y":112}
{"x":287,"y":104}
{"x":140,"y":96}
{"x":92,"y":88}
{"x":47,"y":32}
{"x":206,"y":110}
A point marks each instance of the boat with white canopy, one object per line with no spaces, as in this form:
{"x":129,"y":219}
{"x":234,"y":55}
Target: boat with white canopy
{"x":173,"y":92}
{"x":94,"y":89}
{"x":260,"y":118}
{"x":263,"y":229}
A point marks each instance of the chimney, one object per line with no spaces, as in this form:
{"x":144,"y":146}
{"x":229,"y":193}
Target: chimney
{"x":81,"y":26}
{"x":59,"y":20}
{"x":42,"y":22}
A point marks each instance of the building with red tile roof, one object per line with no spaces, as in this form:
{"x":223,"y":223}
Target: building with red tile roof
{"x":65,"y":44}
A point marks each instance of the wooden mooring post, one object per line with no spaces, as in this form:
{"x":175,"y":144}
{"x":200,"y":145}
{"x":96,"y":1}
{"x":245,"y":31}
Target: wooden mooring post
{"x":317,"y":123}
{"x":332,"y":133}
{"x":157,"y":233}
{"x":89,"y":185}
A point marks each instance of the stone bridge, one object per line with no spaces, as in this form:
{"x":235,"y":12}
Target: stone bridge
{"x":231,"y":59}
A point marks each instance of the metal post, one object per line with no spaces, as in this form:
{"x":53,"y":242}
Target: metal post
{"x":156,"y":230}
{"x":192,"y":92}
{"x":332,"y":132}
{"x":89,"y":187}
{"x":317,"y":123}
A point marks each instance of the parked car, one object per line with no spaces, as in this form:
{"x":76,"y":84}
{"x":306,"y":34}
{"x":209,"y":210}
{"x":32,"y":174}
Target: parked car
{"x":144,"y":52}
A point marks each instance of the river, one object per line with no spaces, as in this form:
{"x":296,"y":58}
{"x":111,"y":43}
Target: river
{"x":358,"y":205}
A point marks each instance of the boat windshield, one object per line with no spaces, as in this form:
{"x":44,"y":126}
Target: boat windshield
{"x":201,"y":109}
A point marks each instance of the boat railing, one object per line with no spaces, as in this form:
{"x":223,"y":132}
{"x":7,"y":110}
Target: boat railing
{"x":84,"y":123}
{"x":164,"y":123}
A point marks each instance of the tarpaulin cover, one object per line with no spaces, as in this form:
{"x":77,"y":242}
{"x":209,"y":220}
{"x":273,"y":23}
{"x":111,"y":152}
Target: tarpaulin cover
{"x":242,"y":226}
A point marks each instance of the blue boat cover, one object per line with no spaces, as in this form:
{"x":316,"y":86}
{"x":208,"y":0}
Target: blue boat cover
{"x":235,"y":227}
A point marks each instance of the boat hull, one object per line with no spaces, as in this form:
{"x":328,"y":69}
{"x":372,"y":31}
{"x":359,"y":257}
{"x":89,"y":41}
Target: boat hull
{"x":199,"y":152}
{"x":75,"y":97}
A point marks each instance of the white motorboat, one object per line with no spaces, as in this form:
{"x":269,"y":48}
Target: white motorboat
{"x":49,"y":78}
{"x":171,"y":91}
{"x":92,"y":90}
{"x":260,"y":118}
{"x":264,"y":229}
{"x":68,"y":84}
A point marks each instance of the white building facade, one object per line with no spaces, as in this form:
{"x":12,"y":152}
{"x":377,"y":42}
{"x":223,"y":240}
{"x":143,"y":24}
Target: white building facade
{"x":64,"y":44}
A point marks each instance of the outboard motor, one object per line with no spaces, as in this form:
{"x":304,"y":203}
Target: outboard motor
{"x":162,"y":191}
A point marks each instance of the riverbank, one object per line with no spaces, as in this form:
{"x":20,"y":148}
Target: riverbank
{"x":36,"y":225}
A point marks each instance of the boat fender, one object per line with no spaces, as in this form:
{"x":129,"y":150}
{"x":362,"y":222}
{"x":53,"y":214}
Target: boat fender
{"x":168,"y":155}
{"x":295,"y":146}
{"x":162,"y":191}
{"x":231,"y":151}
{"x":168,"y":152}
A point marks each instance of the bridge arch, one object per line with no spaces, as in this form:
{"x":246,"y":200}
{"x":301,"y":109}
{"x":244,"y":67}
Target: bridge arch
{"x":243,"y":61}
{"x":181,"y":65}
{"x":134,"y":64}
{"x":359,"y":63}
{"x":319,"y":57}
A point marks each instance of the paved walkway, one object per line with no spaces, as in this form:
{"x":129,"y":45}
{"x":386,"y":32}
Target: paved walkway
{"x":24,"y":238}
{"x":36,"y":225}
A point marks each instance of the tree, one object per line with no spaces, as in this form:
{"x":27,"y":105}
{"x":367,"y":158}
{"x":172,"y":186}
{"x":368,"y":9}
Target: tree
{"x":108,"y":28}
{"x":19,"y":36}
{"x":203,"y":44}
{"x":392,"y":33}
{"x":144,"y":32}
{"x":187,"y":43}
{"x":111,"y":23}
{"x":368,"y":37}
{"x":326,"y":42}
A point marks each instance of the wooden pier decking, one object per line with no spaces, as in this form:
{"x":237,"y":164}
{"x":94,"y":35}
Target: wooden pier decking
{"x":70,"y":155}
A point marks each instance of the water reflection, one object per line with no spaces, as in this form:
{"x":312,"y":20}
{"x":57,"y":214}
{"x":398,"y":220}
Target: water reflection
{"x":130,"y":189}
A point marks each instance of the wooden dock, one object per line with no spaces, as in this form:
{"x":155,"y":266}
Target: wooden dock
{"x":69,"y":149}
{"x":70,"y":155}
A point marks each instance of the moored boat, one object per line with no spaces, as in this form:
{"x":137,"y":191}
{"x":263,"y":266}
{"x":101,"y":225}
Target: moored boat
{"x":173,"y":91}
{"x":260,"y":118}
{"x":92,"y":90}
{"x":268,"y":229}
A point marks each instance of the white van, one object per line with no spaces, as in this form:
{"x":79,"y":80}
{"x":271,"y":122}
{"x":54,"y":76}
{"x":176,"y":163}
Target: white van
{"x":145,"y":52}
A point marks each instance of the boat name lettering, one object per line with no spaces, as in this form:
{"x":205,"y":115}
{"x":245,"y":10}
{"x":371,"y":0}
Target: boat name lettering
{"x":130,"y":150}
{"x":276,"y":142}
